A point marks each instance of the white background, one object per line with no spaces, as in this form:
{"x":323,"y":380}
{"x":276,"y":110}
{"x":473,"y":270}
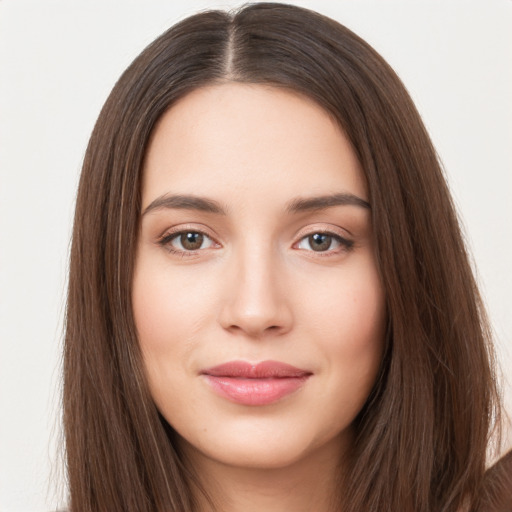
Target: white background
{"x":58,"y":62}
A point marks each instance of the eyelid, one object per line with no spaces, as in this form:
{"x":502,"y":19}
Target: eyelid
{"x":328,"y":229}
{"x":170,"y":233}
{"x":334,"y":231}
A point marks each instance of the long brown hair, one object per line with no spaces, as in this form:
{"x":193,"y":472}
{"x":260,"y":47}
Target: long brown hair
{"x":422,"y":436}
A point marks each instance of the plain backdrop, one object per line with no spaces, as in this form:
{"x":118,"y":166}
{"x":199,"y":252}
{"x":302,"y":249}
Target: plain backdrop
{"x":58,"y":62}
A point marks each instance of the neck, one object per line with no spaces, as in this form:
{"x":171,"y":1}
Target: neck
{"x":309,"y":484}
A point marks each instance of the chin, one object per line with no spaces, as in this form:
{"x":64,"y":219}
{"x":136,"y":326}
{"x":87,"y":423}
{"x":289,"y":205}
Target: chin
{"x":262,"y":448}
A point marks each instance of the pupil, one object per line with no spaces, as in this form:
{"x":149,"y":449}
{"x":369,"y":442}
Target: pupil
{"x":192,"y":241}
{"x":320,"y":242}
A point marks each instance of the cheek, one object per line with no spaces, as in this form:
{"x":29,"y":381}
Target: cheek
{"x":168,"y":306}
{"x":173,"y":313}
{"x":348,"y":307}
{"x":348,"y":320}
{"x":163,"y":317}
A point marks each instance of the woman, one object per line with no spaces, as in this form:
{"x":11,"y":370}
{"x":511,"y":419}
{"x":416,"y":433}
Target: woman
{"x":270,"y":304}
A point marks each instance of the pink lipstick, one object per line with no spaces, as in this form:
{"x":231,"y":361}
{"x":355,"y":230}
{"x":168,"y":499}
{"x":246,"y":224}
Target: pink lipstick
{"x":260,"y":384}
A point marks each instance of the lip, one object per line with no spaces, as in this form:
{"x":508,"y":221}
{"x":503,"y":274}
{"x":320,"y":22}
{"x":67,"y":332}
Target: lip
{"x":255,"y":384}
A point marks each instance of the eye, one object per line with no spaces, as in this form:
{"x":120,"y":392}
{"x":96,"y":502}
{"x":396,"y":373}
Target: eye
{"x":186,"y":241}
{"x":324,"y":242}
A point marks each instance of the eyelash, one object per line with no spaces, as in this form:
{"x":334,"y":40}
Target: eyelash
{"x":166,"y":239}
{"x":346,"y":245}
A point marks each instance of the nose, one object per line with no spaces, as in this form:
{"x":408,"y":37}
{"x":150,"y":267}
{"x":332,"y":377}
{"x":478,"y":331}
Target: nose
{"x":255,"y":301}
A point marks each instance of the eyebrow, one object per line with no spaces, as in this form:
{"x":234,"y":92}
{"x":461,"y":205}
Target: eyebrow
{"x":327,"y":201}
{"x":300,"y":204}
{"x":185,"y":202}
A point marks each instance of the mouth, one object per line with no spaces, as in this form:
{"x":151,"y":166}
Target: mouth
{"x":255,"y":384}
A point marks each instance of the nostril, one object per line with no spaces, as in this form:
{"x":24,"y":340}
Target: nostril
{"x":257,"y":307}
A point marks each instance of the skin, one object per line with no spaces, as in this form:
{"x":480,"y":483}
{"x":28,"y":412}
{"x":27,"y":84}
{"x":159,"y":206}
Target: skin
{"x":254,"y":289}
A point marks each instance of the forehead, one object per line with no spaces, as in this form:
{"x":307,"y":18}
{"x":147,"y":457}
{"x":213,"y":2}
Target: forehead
{"x":248,"y":141}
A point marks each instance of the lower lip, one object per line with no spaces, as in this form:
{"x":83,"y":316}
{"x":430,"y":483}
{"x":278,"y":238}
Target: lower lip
{"x":255,"y":391}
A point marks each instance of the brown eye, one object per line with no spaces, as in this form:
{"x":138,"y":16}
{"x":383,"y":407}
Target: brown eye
{"x":320,"y":242}
{"x":191,"y":241}
{"x":325,"y":242}
{"x":186,"y":241}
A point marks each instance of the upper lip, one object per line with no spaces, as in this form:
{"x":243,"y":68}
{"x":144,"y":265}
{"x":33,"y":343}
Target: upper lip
{"x":262,"y":370}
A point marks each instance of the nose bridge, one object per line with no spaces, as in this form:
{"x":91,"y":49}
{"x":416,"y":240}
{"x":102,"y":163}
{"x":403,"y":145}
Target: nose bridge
{"x":256,"y":303}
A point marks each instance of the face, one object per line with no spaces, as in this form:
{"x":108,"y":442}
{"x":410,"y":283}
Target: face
{"x":256,"y":296}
